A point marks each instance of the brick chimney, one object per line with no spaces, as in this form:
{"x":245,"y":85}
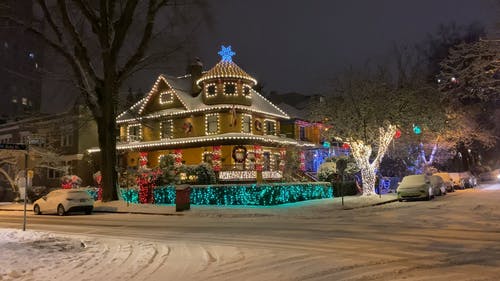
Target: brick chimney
{"x":195,"y":68}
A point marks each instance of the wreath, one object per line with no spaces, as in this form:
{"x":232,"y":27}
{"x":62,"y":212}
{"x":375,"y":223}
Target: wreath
{"x":258,"y":125}
{"x":239,"y":154}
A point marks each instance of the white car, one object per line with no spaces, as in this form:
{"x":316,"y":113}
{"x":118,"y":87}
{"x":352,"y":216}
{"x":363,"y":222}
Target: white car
{"x":62,"y":201}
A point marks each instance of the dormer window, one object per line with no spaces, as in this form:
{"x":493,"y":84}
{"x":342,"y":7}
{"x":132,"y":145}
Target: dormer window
{"x":166,"y":97}
{"x":230,"y":89}
{"x":211,"y":90}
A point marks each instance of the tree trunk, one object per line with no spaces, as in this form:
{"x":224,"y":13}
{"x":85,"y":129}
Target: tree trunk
{"x":106,"y":127}
{"x":361,"y":153}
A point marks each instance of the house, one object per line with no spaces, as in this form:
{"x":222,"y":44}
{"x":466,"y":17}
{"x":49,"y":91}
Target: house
{"x":214,"y":117}
{"x":64,"y":137}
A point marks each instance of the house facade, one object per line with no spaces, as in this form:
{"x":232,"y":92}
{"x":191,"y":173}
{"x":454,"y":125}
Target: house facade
{"x":64,"y":138}
{"x":214,"y":117}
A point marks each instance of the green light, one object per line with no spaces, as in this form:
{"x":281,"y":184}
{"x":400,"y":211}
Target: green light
{"x":238,"y":194}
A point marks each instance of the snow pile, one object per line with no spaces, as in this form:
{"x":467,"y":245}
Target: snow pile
{"x":39,"y":249}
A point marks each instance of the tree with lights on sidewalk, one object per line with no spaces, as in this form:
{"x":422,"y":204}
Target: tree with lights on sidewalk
{"x":366,"y":110}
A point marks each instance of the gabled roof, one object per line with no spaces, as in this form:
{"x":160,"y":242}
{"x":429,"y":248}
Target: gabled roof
{"x":182,"y":89}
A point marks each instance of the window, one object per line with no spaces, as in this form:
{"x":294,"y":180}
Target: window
{"x":66,"y":139}
{"x":211,"y":90}
{"x":166,"y":97}
{"x":134,"y":132}
{"x":24,"y":101}
{"x":211,"y":123}
{"x":166,"y":128}
{"x":270,"y":127}
{"x":54,"y":174}
{"x":302,"y":133}
{"x":246,"y":123}
{"x":14,"y":99}
{"x":229,"y":88}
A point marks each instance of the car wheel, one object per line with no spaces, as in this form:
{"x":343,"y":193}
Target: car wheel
{"x":60,"y":210}
{"x":36,"y":210}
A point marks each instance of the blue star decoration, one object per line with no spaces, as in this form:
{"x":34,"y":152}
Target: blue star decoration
{"x":226,"y":53}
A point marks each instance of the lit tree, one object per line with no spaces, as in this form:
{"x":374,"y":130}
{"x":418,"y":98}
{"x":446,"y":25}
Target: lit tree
{"x":104,"y":42}
{"x":366,"y":110}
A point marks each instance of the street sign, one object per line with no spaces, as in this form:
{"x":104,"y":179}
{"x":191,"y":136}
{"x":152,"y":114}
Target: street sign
{"x":13,"y":146}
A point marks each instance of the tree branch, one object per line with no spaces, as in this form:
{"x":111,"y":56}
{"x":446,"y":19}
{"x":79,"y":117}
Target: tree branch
{"x":123,"y":24}
{"x":139,"y":52}
{"x":81,"y":53}
{"x":88,"y":14}
{"x":50,"y":20}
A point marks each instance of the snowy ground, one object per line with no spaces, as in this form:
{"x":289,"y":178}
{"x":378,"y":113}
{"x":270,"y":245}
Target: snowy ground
{"x":455,"y":237}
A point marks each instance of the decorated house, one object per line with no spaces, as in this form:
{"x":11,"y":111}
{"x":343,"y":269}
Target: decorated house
{"x":214,"y":117}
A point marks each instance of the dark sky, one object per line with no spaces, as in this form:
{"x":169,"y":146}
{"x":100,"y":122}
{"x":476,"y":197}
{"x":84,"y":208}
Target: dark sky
{"x":299,"y":45}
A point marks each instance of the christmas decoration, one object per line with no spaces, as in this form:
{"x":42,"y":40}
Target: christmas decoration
{"x":258,"y":157}
{"x":397,"y":135}
{"x":98,"y":179}
{"x":282,"y":159}
{"x":239,"y":154}
{"x":70,"y":181}
{"x":143,"y":159}
{"x":302,"y":159}
{"x":147,"y":182}
{"x":216,"y":158}
{"x":417,"y":130}
{"x":226,"y":54}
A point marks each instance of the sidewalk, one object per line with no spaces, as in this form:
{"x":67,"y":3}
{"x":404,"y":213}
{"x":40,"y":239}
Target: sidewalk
{"x":321,"y":205}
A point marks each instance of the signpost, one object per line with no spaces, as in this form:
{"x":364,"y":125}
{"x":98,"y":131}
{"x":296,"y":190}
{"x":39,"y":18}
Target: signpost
{"x":25,"y":147}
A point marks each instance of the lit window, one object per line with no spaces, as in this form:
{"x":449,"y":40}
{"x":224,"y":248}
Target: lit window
{"x":14,"y":99}
{"x":134,"y":132}
{"x":166,"y":129}
{"x":246,"y":123}
{"x":212,"y":124}
{"x":270,"y":127}
{"x":211,"y":90}
{"x":230,"y":89}
{"x":166,"y":97}
{"x":24,"y":101}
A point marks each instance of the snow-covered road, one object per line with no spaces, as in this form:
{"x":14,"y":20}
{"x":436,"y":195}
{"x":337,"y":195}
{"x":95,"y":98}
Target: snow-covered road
{"x":455,"y":237}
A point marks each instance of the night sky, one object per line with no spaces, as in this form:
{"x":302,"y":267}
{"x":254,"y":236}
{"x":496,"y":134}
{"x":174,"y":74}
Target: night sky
{"x":298,"y":46}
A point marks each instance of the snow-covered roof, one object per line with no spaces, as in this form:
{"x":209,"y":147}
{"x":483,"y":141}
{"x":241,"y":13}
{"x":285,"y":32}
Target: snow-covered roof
{"x":182,"y":89}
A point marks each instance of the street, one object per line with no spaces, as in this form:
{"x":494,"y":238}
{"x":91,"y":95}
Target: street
{"x":455,"y":236}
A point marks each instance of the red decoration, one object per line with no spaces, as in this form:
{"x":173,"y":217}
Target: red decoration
{"x":397,"y":135}
{"x":147,"y":182}
{"x":282,"y":159}
{"x":98,"y":180}
{"x":143,"y":160}
{"x":346,"y":146}
{"x":258,"y":157}
{"x":216,"y":155}
{"x":177,"y":158}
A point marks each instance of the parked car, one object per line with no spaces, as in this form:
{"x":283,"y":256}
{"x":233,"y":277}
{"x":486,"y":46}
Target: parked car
{"x":448,"y":182}
{"x":438,"y":184}
{"x":63,"y":201}
{"x":468,"y":179}
{"x":417,"y":187}
{"x":458,"y":182}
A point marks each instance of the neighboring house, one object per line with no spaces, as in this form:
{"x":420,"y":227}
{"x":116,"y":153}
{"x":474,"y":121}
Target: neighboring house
{"x":214,"y":117}
{"x":68,"y":135}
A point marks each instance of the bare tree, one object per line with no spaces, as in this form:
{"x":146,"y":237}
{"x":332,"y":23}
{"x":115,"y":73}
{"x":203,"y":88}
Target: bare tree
{"x":103,"y":42}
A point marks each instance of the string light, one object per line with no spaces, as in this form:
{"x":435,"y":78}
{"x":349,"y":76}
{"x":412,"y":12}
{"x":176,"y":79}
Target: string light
{"x":129,"y":135}
{"x":246,"y":120}
{"x":267,"y":123}
{"x":166,"y":97}
{"x":166,"y":124}
{"x":208,"y":130}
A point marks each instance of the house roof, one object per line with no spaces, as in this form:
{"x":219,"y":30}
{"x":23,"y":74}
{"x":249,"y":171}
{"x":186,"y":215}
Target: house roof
{"x":182,"y":89}
{"x":226,"y":69}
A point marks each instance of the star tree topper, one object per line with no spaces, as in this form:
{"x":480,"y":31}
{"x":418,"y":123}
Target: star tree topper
{"x":226,"y":53}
